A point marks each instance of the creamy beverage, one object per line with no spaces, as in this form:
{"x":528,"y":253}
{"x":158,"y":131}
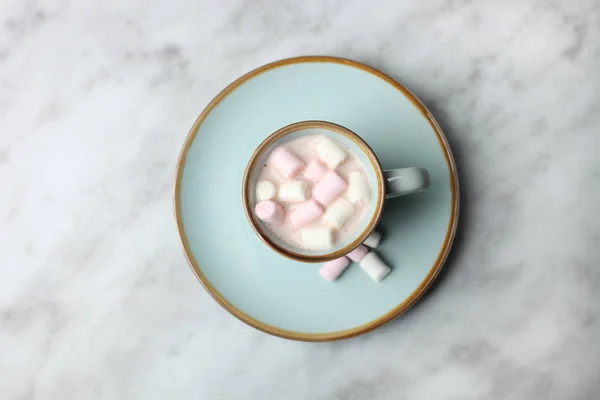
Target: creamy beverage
{"x":312,"y":192}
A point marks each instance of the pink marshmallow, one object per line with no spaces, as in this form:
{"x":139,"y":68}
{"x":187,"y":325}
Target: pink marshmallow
{"x":329,"y":188}
{"x":286,"y":162}
{"x":270,"y":212}
{"x":305,"y":213}
{"x":332,"y":269}
{"x":315,"y":170}
{"x":358,"y":254}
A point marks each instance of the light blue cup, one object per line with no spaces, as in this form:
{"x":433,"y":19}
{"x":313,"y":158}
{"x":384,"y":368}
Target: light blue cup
{"x":385,"y":184}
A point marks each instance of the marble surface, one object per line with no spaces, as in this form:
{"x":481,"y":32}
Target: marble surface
{"x":96,"y":299}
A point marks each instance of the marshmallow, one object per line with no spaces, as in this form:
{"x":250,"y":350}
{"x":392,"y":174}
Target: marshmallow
{"x":294,"y":191}
{"x":338,"y":213}
{"x":265,"y":190}
{"x":374,"y":267}
{"x":315,"y":170}
{"x":317,"y":238}
{"x":305,"y":213}
{"x":373,"y":240}
{"x":286,"y":162}
{"x":330,"y":152}
{"x":358,"y":254}
{"x":270,"y":212}
{"x":359,"y":190}
{"x":332,"y":269}
{"x":329,"y":188}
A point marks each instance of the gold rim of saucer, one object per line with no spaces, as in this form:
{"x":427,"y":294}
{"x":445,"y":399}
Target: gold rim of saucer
{"x":369,"y":326}
{"x":280,"y":133}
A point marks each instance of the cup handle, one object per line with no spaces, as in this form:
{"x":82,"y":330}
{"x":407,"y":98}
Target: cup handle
{"x":403,"y":181}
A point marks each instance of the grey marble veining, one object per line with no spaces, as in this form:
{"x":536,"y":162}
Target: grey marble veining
{"x":96,"y":299}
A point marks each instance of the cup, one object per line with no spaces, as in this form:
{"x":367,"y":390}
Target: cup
{"x":385,"y":184}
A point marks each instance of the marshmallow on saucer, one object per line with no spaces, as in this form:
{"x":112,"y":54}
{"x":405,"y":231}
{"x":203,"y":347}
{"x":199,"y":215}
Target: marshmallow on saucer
{"x":329,"y":188}
{"x":315,"y":170}
{"x":270,"y":212}
{"x":338,"y":213}
{"x":305,"y":213}
{"x":294,"y":191}
{"x":358,"y":254}
{"x":332,"y":269}
{"x":286,"y":162}
{"x":374,"y":266}
{"x":265,"y":190}
{"x":359,"y":190}
{"x":330,"y":152}
{"x":317,"y":238}
{"x":373,"y":240}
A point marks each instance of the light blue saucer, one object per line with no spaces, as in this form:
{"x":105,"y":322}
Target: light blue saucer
{"x":287,"y":298}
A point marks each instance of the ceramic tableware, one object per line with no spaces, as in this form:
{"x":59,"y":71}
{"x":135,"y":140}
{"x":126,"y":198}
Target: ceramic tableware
{"x":384,"y":184}
{"x":288,"y":298}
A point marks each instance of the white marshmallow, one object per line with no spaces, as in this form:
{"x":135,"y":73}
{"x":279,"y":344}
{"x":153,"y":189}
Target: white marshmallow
{"x":330,"y":152}
{"x":373,"y":240}
{"x":374,"y":267}
{"x":293,"y":191}
{"x":359,"y":190}
{"x":317,"y":238}
{"x":265,"y":190}
{"x":338,"y":213}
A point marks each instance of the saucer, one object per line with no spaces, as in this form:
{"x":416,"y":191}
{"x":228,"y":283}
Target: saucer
{"x":289,"y":298}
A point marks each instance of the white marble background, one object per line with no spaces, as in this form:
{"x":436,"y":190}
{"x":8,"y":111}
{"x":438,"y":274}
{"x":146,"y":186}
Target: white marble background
{"x":96,"y":299}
